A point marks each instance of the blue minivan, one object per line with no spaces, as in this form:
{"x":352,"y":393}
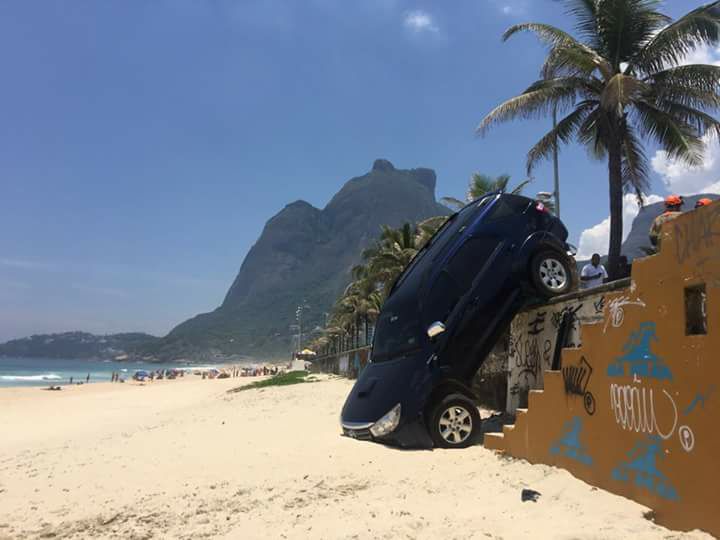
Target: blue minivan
{"x":445,"y":313}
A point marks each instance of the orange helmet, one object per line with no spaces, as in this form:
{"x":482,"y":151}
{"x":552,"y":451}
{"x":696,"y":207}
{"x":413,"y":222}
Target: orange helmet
{"x":673,"y":200}
{"x":703,"y":202}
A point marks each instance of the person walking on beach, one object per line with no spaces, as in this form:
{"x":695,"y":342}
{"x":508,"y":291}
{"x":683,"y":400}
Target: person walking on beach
{"x":593,"y":274}
{"x":673,"y":208}
{"x":87,"y":379}
{"x":71,"y":380}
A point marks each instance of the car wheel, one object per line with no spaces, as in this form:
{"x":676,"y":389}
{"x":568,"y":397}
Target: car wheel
{"x":551,"y":274}
{"x":454,"y":422}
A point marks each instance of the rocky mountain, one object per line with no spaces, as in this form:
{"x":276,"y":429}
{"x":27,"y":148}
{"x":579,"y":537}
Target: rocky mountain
{"x":638,"y":237}
{"x":303,"y":254}
{"x":78,"y":345}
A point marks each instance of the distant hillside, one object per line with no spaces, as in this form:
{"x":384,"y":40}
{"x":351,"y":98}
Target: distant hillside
{"x":77,"y":345}
{"x":303,"y":253}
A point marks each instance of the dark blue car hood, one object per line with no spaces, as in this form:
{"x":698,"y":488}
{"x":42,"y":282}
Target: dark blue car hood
{"x":383,"y":385}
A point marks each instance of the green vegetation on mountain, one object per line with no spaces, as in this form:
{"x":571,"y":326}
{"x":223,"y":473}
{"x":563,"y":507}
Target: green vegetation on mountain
{"x":78,"y":345}
{"x":622,"y":80}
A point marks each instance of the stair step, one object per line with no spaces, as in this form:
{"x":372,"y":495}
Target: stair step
{"x":494,"y":441}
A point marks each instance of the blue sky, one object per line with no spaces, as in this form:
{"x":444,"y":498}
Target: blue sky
{"x":143,"y":145}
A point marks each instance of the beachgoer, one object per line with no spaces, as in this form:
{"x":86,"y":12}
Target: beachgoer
{"x":87,"y":379}
{"x":71,"y":380}
{"x":673,"y":208}
{"x":593,"y":273}
{"x":703,"y":202}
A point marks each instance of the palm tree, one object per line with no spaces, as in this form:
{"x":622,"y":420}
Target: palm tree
{"x":620,"y":81}
{"x":482,"y":184}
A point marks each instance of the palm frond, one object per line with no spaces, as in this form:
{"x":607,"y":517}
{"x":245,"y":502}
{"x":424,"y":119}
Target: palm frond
{"x":672,"y":44}
{"x":517,"y":190}
{"x":677,"y":138}
{"x":585,"y":14}
{"x":538,"y":100}
{"x":694,"y":85}
{"x":452,"y":202}
{"x":480,"y":184}
{"x":548,"y":34}
{"x":700,"y":121}
{"x":572,"y":60}
{"x":563,"y":131}
{"x":625,"y":27}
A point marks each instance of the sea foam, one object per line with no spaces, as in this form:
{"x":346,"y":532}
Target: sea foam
{"x":41,"y":377}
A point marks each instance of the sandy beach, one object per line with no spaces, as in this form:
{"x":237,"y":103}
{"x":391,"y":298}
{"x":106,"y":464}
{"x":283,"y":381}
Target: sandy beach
{"x":185,"y":459}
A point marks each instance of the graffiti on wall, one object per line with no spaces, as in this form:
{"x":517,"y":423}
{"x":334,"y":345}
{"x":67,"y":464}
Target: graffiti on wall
{"x":635,"y":410}
{"x":641,"y":466}
{"x":533,"y":337}
{"x":569,"y":444}
{"x":639,"y":357}
{"x":699,"y":399}
{"x":616,"y":310}
{"x":576,"y":379}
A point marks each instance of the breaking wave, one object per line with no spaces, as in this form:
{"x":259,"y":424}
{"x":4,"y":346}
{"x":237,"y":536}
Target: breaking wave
{"x":41,"y":377}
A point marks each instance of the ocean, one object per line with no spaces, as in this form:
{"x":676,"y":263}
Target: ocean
{"x":47,"y":371}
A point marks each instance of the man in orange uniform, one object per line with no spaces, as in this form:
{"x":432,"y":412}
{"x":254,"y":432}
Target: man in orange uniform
{"x":673,"y":206}
{"x":703,"y":202}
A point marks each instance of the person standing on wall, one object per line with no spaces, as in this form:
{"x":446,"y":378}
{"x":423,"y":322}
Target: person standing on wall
{"x":593,"y":274}
{"x":673,"y":208}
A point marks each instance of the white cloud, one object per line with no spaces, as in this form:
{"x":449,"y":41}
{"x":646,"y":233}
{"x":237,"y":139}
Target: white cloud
{"x":420,"y":21}
{"x":685,"y":180}
{"x":596,"y":238}
{"x":703,"y":55}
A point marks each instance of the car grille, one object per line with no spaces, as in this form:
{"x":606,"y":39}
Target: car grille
{"x":360,"y":434}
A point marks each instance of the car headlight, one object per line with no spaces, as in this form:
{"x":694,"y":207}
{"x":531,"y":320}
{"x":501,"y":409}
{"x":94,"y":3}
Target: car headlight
{"x":387,"y":423}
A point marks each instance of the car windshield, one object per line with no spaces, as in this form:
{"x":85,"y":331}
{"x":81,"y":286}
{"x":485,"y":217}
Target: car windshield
{"x":399,"y":330}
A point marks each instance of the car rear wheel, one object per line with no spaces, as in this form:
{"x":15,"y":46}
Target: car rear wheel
{"x":454,"y":422}
{"x":551,"y":273}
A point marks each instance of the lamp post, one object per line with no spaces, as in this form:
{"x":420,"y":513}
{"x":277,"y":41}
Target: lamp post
{"x":298,"y":316}
{"x":556,"y":173}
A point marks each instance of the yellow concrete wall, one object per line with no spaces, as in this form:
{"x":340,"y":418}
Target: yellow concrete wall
{"x":655,"y":391}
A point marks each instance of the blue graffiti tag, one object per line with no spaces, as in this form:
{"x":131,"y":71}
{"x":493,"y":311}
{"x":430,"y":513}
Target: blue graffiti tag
{"x":569,"y":443}
{"x":699,"y":399}
{"x":643,"y":362}
{"x":642,"y":463}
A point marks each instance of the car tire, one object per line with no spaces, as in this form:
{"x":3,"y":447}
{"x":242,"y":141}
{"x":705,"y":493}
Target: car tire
{"x":454,"y":422}
{"x":551,"y":274}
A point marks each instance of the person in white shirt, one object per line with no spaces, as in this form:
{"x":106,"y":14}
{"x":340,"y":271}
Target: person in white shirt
{"x":593,"y":274}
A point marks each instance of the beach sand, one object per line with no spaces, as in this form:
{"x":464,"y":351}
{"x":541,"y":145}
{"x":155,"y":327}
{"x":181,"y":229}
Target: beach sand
{"x":185,"y":459}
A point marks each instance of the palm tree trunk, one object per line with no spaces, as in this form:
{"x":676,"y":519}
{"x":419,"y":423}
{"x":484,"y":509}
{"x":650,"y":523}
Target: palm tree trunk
{"x":616,"y":206}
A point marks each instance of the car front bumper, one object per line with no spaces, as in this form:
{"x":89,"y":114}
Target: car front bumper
{"x":409,"y":434}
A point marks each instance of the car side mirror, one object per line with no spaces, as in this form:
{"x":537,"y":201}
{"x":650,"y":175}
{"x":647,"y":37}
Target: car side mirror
{"x":435,"y":329}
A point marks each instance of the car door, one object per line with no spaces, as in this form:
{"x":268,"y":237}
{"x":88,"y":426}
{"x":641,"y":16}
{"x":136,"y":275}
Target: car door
{"x":483,"y":267}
